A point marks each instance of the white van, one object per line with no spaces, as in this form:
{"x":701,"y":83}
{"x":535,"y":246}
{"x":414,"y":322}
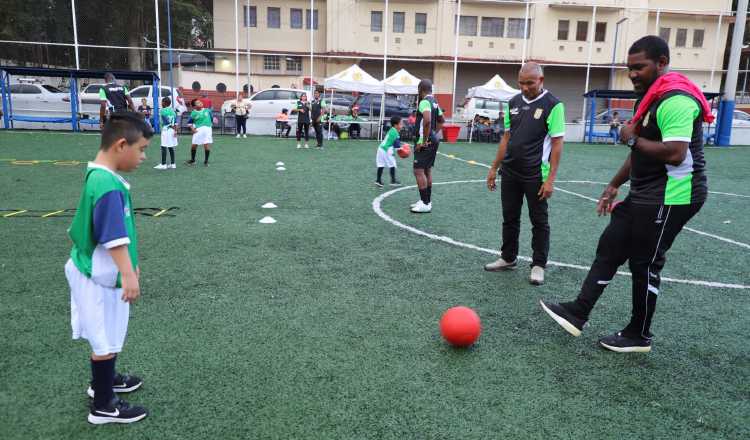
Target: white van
{"x":488,"y":108}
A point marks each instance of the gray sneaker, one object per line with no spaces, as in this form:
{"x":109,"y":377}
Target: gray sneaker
{"x":537,"y":276}
{"x":499,"y":265}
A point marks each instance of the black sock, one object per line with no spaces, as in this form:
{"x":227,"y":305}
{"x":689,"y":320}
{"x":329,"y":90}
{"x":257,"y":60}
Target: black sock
{"x":102,"y":380}
{"x":207,"y":153}
{"x":393,"y":173}
{"x":380,"y":174}
{"x":163,"y":155}
{"x":423,"y":196}
{"x":171,"y":155}
{"x":429,"y":193}
{"x":192,"y":154}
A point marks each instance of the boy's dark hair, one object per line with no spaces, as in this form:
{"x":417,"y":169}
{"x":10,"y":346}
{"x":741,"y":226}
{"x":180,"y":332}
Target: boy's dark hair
{"x":395,"y":120}
{"x":653,"y":46}
{"x":283,"y":110}
{"x":166,"y":101}
{"x":128,"y":125}
{"x":425,"y":86}
{"x":615,"y":113}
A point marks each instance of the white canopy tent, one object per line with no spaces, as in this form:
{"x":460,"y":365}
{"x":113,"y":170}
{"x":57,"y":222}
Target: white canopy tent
{"x":495,"y":88}
{"x":353,"y":79}
{"x":401,"y":83}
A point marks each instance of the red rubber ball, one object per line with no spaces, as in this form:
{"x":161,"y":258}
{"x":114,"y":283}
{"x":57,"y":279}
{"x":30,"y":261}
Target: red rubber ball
{"x":460,"y":326}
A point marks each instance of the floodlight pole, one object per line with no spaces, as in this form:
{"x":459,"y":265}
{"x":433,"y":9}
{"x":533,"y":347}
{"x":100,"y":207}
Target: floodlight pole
{"x":169,"y":51}
{"x":588,"y":62}
{"x":455,"y":61}
{"x":312,"y":46}
{"x":75,"y":32}
{"x":385,"y":72}
{"x":236,"y":53}
{"x":247,"y":45}
{"x":726,"y":109}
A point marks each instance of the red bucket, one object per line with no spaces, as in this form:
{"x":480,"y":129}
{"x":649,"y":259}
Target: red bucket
{"x":450,"y":133}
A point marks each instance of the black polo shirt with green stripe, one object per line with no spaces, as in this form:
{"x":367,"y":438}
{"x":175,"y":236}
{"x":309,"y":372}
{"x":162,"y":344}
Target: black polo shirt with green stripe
{"x":677,"y":116}
{"x":532,"y":125}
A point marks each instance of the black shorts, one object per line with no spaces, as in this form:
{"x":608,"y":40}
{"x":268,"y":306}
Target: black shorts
{"x":425,"y":158}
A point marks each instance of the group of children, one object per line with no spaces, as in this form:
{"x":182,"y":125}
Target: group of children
{"x":201,"y":123}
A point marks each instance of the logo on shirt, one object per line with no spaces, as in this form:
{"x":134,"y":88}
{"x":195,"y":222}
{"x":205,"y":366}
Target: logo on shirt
{"x":514,"y":111}
{"x":538,"y":113}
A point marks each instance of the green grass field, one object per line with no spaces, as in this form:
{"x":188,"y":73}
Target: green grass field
{"x":325,"y":324}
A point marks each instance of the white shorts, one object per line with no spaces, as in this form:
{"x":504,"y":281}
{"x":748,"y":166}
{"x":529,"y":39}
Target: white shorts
{"x":97,"y":313}
{"x":168,"y":137}
{"x":385,"y":159}
{"x":203,"y":136}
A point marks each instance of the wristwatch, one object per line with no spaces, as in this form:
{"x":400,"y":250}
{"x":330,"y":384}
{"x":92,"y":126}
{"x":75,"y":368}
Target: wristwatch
{"x":631,"y":142}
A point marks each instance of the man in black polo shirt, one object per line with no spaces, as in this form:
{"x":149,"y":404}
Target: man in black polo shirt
{"x":528,"y":157}
{"x":116,"y":95}
{"x":317,"y":110}
{"x":429,"y":123}
{"x":666,"y":169}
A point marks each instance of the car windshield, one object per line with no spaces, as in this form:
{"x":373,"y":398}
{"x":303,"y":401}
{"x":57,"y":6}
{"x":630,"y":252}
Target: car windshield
{"x":93,"y":88}
{"x":52,"y":89}
{"x":140,"y":92}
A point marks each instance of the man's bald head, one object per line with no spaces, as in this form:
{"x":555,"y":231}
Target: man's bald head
{"x":531,"y":79}
{"x":532,"y":68}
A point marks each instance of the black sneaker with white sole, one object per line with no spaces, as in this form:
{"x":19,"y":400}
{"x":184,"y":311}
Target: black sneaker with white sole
{"x":624,"y":344}
{"x":124,"y":383}
{"x":379,"y":184}
{"x":118,"y":411}
{"x":567,"y":320}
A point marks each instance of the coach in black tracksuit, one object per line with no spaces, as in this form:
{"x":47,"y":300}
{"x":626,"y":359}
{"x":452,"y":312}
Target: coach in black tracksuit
{"x":527,"y":158}
{"x":114,"y":95}
{"x":666,"y":169}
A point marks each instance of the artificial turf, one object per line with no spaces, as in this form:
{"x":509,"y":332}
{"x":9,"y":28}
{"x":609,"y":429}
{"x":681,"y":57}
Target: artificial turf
{"x":324,"y":325}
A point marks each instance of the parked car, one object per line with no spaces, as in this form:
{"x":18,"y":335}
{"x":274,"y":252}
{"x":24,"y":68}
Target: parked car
{"x":36,"y":99}
{"x":90,"y":94}
{"x":147,"y":91}
{"x":393,"y":106}
{"x":739,"y":118}
{"x":268,"y":103}
{"x":488,"y":108}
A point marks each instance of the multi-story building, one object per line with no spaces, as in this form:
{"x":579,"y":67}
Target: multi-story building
{"x":576,"y":40}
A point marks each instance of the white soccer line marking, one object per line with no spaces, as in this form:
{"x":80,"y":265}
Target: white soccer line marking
{"x":379,"y":211}
{"x":591,"y":182}
{"x":695,"y":231}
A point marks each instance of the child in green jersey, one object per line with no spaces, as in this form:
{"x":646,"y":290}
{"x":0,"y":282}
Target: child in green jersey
{"x":384,"y":157}
{"x":168,"y":119}
{"x":201,"y":121}
{"x":102,"y":271}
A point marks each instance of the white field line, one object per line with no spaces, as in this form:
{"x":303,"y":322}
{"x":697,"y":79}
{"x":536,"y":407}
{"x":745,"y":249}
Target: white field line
{"x":376,"y":207}
{"x":695,"y":231}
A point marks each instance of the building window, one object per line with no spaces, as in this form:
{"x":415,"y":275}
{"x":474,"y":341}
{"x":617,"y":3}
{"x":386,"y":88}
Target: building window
{"x":315,"y":19}
{"x":467,"y":25}
{"x":563,"y":29}
{"x":250,"y":15}
{"x":399,"y":22}
{"x":271,"y":63}
{"x":295,"y":18}
{"x":664,"y":33}
{"x":600,"y":32}
{"x":516,"y":28}
{"x":681,"y":40}
{"x":376,"y":21}
{"x":493,"y":26}
{"x":274,"y":18}
{"x":420,"y":23}
{"x":294,"y":64}
{"x":698,"y":38}
{"x":582,"y":30}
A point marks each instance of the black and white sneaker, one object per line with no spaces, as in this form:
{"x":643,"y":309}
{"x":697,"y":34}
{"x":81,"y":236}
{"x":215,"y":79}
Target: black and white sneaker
{"x":624,"y":344}
{"x":118,"y":411}
{"x":378,"y":184}
{"x":124,"y":383}
{"x":189,"y":163}
{"x":571,"y":323}
{"x":395,"y":183}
